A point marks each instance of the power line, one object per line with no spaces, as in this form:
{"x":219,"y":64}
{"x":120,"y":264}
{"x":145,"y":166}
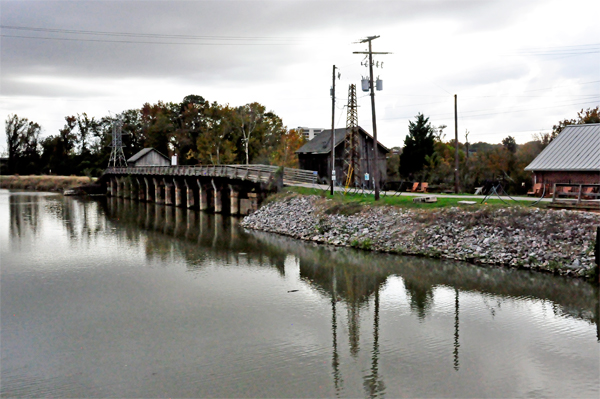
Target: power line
{"x":575,"y":84}
{"x":149,"y":35}
{"x":143,"y":42}
{"x":495,"y":113}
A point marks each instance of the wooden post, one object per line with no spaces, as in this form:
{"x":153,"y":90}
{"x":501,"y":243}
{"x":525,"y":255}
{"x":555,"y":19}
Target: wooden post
{"x":333,"y":131}
{"x":456,"y":185}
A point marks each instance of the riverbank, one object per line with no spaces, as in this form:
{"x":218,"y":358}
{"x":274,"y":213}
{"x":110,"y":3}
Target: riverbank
{"x":43,"y":183}
{"x":560,"y":242}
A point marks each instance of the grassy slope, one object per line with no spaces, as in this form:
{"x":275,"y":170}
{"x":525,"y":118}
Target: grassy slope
{"x":406,"y":200}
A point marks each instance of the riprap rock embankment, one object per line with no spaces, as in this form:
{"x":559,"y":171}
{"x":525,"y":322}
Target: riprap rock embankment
{"x":556,"y":241}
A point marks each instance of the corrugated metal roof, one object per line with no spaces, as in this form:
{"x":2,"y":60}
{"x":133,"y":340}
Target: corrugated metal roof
{"x":576,"y":148}
{"x":144,"y":152}
{"x":321,"y":143}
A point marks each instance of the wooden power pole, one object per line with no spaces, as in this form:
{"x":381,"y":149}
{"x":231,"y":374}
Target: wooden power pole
{"x":455,"y":145}
{"x":375,"y":142}
{"x":333,"y":131}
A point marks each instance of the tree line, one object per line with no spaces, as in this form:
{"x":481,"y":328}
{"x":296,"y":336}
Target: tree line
{"x":427,"y":156}
{"x":197,"y":131}
{"x":200,"y":132}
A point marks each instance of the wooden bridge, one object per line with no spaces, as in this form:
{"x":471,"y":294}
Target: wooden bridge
{"x":233,"y":189}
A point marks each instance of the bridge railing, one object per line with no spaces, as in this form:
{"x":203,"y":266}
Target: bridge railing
{"x":254,"y":173}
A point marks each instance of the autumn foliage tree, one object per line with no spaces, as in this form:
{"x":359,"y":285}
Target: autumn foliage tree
{"x":284,"y":153}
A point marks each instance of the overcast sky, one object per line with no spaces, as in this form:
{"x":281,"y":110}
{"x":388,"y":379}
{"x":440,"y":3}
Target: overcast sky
{"x":517,"y":67}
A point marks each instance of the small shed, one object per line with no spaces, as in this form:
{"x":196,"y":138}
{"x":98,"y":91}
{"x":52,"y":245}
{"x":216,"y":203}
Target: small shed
{"x":572,"y":157}
{"x":149,"y":157}
{"x":316,"y":155}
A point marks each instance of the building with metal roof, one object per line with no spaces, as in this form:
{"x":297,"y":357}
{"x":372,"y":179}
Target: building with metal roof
{"x":149,"y":157}
{"x":316,"y":155}
{"x":572,"y":157}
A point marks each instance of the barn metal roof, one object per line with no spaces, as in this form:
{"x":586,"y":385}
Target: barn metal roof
{"x":321,"y":143}
{"x":575,"y":149}
{"x":143,"y":152}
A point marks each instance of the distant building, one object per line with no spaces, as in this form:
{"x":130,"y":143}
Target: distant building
{"x":572,"y":157}
{"x":149,"y":157}
{"x":309,"y":132}
{"x":316,"y":155}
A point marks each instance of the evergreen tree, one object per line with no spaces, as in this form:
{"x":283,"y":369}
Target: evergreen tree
{"x":418,"y":144}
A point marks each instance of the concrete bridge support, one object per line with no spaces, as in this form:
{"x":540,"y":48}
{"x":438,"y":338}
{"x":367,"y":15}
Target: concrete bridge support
{"x":141,"y":189}
{"x":133,"y":189}
{"x":157,"y":192}
{"x":111,"y":190}
{"x":119,"y":188}
{"x":234,"y":203}
{"x":203,"y":198}
{"x":189,"y":195}
{"x":168,"y":191}
{"x":217,"y":198}
{"x":178,"y":192}
{"x":149,"y":197}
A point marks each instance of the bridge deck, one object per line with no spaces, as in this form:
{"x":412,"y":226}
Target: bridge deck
{"x":253,"y":173}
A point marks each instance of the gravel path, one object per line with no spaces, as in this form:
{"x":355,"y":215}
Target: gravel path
{"x":560,"y":242}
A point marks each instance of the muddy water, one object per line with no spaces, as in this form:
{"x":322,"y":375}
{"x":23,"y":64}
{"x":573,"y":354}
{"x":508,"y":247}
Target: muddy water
{"x":123,"y":299}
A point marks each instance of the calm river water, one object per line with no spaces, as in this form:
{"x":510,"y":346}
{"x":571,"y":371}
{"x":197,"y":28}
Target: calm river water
{"x":112,"y":298}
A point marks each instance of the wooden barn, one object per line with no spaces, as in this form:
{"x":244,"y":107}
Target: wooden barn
{"x":573,"y":157}
{"x":149,"y":157}
{"x":316,"y":155}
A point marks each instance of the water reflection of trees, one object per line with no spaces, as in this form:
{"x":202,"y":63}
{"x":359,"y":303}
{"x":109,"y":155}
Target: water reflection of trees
{"x":570,"y":297}
{"x":82,"y":220}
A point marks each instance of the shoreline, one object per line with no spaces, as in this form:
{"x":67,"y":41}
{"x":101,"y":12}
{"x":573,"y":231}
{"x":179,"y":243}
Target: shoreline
{"x":48,"y":183}
{"x":553,"y":241}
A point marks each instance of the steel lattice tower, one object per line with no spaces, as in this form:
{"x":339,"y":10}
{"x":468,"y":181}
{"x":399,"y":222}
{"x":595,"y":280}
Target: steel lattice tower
{"x":352,"y":143}
{"x":117,"y":156}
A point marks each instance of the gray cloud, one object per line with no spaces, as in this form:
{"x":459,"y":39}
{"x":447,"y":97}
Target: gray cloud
{"x":292,"y":77}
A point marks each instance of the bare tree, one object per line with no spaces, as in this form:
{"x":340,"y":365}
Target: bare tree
{"x":249,"y":117}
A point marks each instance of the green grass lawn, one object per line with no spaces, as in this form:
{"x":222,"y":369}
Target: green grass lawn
{"x":406,"y":200}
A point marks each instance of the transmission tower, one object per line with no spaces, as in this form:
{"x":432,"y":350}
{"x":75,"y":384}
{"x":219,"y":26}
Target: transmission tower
{"x":117,"y":156}
{"x":352,"y":143}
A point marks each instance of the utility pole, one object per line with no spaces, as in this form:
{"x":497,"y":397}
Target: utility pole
{"x":375,"y":149}
{"x":333,"y":131}
{"x":456,"y":145}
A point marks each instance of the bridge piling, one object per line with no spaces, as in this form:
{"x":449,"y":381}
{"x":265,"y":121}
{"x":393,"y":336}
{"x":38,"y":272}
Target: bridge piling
{"x":141,"y":190}
{"x":235,"y":189}
{"x":178,"y":192}
{"x":203,"y":198}
{"x":148,"y":191}
{"x":234,"y":204}
{"x":218,"y":199}
{"x":189,"y":195}
{"x":157,"y":192}
{"x":132,"y":189}
{"x":168,"y":192}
